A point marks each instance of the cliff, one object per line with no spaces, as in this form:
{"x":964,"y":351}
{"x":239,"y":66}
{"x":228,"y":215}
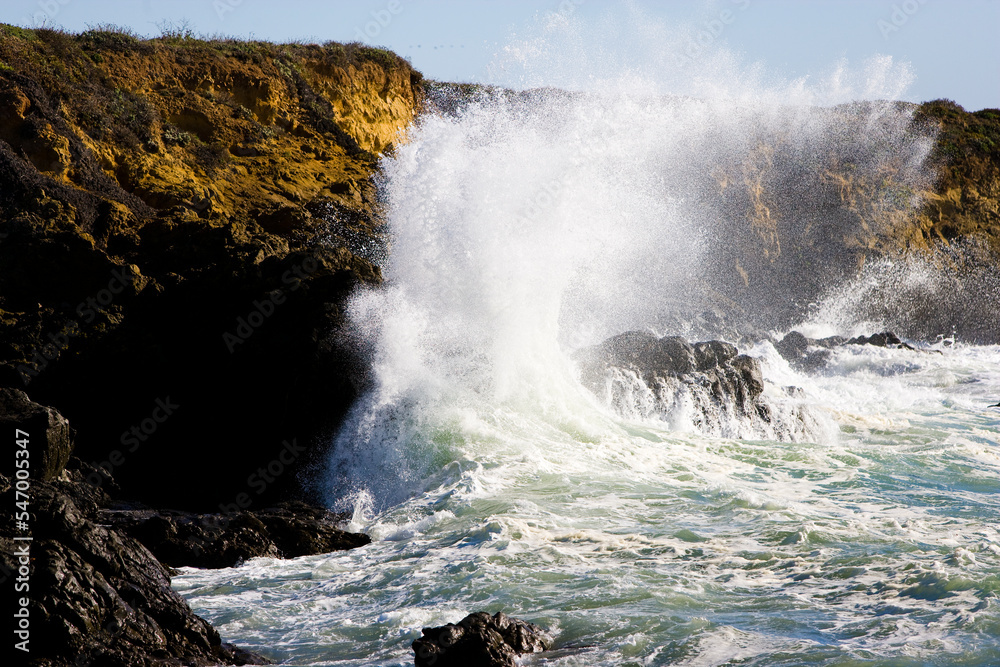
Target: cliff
{"x":180,"y":221}
{"x":800,"y":219}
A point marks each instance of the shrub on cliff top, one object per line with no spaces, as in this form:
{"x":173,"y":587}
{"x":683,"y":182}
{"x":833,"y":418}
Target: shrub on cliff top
{"x":17,"y":33}
{"x":110,"y":37}
{"x":963,"y":134}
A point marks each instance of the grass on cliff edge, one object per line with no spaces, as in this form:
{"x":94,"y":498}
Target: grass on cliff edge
{"x":76,"y":49}
{"x":93,"y":74}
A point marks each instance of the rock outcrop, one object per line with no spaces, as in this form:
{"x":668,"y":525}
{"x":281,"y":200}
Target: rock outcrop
{"x":709,"y":384}
{"x":96,"y":593}
{"x":181,"y":539}
{"x":46,"y":430}
{"x":812,"y":353}
{"x":181,"y":221}
{"x":92,"y":587}
{"x":479,"y":640}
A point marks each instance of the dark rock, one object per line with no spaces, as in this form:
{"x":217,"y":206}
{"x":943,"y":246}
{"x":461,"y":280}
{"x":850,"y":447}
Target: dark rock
{"x":670,"y":356}
{"x":721,"y":385}
{"x":49,"y":438}
{"x":101,"y":595}
{"x":182,"y":539}
{"x":811,"y":354}
{"x":713,"y":353}
{"x":884,"y":339}
{"x":479,"y":640}
{"x":793,"y":346}
{"x":801,"y":352}
{"x":299,"y":529}
{"x":644,"y":352}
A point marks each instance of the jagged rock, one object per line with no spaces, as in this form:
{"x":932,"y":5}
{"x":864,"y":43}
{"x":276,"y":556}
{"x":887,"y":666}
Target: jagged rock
{"x":710,"y":380}
{"x":713,"y":353}
{"x":884,"y":339}
{"x":479,"y":640}
{"x":225,"y":539}
{"x":100,"y":595}
{"x":646,"y":353}
{"x":49,"y":437}
{"x":812,"y":353}
{"x":205,"y":246}
{"x":715,"y":363}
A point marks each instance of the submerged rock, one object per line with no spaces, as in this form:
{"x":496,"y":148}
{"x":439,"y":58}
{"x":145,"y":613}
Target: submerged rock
{"x":479,"y":640}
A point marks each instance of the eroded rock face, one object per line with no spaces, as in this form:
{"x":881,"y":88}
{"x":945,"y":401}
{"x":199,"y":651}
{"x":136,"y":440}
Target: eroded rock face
{"x":155,"y":201}
{"x":101,"y":595}
{"x":48,"y":433}
{"x":479,"y":640}
{"x":708,"y":383}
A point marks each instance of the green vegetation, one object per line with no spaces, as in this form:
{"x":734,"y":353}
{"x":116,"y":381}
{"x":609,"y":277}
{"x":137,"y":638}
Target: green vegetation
{"x":963,"y":135}
{"x":174,"y":136}
{"x":17,"y":33}
{"x":110,"y":37}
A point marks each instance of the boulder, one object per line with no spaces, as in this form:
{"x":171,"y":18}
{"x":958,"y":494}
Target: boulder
{"x":479,"y":640}
{"x":715,"y":363}
{"x":49,"y":437}
{"x":708,"y":385}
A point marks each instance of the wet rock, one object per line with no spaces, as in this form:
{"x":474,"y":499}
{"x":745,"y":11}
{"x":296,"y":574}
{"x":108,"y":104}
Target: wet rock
{"x":49,"y":437}
{"x":479,"y":640}
{"x":715,"y":363}
{"x":713,"y":353}
{"x":708,"y":383}
{"x":100,"y":595}
{"x":884,"y":339}
{"x":642,"y":351}
{"x":800,"y":351}
{"x":225,"y":539}
{"x":811,"y":353}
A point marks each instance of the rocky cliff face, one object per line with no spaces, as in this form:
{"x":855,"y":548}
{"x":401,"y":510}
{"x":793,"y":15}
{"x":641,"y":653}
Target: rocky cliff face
{"x":801,"y":219}
{"x":180,"y":221}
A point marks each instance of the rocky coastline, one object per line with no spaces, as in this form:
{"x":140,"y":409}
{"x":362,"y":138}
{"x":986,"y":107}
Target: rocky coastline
{"x":181,"y":223}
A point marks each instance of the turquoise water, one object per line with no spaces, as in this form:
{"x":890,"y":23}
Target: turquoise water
{"x":640,"y":546}
{"x":862,"y":529}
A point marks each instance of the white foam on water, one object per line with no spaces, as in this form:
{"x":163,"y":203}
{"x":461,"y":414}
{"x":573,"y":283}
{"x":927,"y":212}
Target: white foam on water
{"x":490,"y":478}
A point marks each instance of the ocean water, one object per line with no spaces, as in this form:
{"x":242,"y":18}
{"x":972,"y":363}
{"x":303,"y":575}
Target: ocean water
{"x":864,"y":531}
{"x":638,"y":545}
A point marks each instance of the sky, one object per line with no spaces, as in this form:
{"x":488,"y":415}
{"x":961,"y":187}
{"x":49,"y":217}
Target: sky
{"x":949,"y":48}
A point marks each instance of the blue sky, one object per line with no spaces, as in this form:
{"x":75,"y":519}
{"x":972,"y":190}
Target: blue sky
{"x":951,"y":45}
